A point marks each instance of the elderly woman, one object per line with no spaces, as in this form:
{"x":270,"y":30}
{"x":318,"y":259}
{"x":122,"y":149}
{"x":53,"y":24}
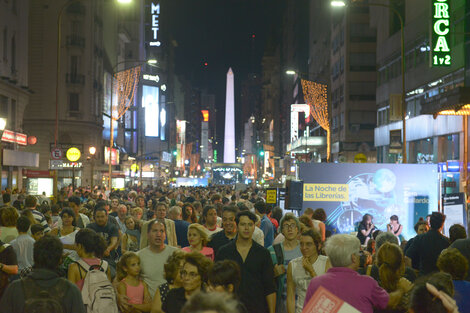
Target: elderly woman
{"x":198,"y":237}
{"x":194,"y":276}
{"x":362,"y":292}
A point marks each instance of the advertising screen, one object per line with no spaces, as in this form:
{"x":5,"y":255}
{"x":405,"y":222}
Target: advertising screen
{"x":151,"y":105}
{"x":226,"y":175}
{"x":191,"y":182}
{"x":348,"y":191}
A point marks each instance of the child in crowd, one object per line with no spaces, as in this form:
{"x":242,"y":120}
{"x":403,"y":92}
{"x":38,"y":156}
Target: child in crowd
{"x":131,"y":285}
{"x":23,"y":246}
{"x":130,"y":240}
{"x":37,"y":231}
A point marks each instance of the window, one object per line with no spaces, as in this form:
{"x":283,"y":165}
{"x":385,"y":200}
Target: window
{"x":74,"y":104}
{"x":362,"y":62}
{"x":362,"y":91}
{"x":3,"y":106}
{"x":398,"y":5}
{"x":13,"y":55}
{"x":74,"y":65}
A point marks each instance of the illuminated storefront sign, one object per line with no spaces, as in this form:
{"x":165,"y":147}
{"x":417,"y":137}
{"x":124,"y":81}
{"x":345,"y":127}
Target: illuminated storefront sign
{"x":154,"y":78}
{"x":114,"y":156}
{"x":205,"y":115}
{"x":441,"y":52}
{"x":151,"y":105}
{"x":295,"y":109}
{"x":155,"y":23}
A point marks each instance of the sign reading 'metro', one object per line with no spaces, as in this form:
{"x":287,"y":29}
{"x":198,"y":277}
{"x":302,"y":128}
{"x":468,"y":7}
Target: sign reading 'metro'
{"x":440,"y":49}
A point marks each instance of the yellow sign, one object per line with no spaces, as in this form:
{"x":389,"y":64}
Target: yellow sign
{"x":134,"y":167}
{"x":73,"y":154}
{"x":271,"y":196}
{"x":360,"y":158}
{"x":326,"y":192}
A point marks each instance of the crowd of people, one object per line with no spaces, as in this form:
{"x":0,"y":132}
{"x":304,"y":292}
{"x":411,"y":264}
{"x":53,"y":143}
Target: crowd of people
{"x":215,"y":249}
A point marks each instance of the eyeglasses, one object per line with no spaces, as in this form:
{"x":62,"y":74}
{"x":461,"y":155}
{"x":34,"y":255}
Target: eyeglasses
{"x":191,"y":275}
{"x":289,"y":226}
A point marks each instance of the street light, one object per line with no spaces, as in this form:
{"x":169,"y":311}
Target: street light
{"x":3,"y":124}
{"x":336,"y":3}
{"x":92,"y":151}
{"x":290,"y":72}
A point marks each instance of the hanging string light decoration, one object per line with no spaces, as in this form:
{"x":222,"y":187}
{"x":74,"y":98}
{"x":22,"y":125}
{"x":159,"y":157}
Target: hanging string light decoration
{"x":124,"y":86}
{"x":316,"y":96}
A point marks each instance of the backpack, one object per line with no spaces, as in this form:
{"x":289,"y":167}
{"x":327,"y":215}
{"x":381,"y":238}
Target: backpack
{"x":98,"y":292}
{"x":41,"y":300}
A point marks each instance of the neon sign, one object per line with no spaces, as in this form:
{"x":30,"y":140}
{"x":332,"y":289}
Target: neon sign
{"x":441,"y":53}
{"x":155,"y":18}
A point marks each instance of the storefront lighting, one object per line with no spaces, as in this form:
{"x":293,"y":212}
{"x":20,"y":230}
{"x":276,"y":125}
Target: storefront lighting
{"x":464,"y":110}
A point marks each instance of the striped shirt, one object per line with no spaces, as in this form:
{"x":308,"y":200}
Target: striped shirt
{"x":38,"y":216}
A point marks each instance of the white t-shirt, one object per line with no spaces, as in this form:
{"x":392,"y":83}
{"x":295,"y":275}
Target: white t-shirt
{"x":152,"y":266}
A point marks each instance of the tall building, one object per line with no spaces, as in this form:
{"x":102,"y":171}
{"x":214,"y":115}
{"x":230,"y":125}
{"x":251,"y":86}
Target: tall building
{"x":436,"y":92}
{"x":15,"y":89}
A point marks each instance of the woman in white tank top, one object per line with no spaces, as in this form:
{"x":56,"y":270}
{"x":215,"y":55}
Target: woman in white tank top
{"x":301,"y":270}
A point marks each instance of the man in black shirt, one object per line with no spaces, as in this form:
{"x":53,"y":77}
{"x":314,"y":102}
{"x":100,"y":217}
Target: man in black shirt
{"x":257,"y":288}
{"x":427,"y":247}
{"x":229,"y":232}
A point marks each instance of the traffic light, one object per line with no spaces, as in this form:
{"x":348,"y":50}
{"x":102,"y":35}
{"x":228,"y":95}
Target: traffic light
{"x":175,"y":153}
{"x":261,"y":153}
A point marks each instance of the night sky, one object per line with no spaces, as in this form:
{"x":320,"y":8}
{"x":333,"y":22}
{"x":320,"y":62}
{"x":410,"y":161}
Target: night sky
{"x":220,"y":32}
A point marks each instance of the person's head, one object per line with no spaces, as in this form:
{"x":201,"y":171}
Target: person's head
{"x":161,"y":210}
{"x":129,"y":222}
{"x":129,"y":264}
{"x":30,"y":202}
{"x":260,"y":207}
{"x":383,"y":238}
{"x":310,"y":243}
{"x":194,"y":271}
{"x":37,"y":231}
{"x":216,"y":198}
{"x":309,"y":212}
{"x":209,"y":214}
{"x":47,"y":253}
{"x":391,"y":264}
{"x":457,"y":231}
{"x":175,"y":213}
{"x":366,"y":219}
{"x":245,"y":224}
{"x":114,"y":203}
{"x":101,"y":216}
{"x":437,"y":220}
{"x":343,"y":250}
{"x":371,"y":246}
{"x":394,"y":219}
{"x":212,"y":302}
{"x":8,"y":216}
{"x":173,"y":266}
{"x":277,"y":214}
{"x":289,"y":226}
{"x":319,"y":215}
{"x":197,"y":234}
{"x":229,"y":224}
{"x":140,"y":201}
{"x":122,"y":211}
{"x":67,"y":216}
{"x":74,"y":202}
{"x":188,"y":213}
{"x":453,"y":262}
{"x":89,"y":242}
{"x":137,"y":213}
{"x":307,"y":221}
{"x":6,"y":198}
{"x":156,"y":234}
{"x":224,"y":276}
{"x":23,"y":224}
{"x":421,"y":227}
{"x":422,"y":301}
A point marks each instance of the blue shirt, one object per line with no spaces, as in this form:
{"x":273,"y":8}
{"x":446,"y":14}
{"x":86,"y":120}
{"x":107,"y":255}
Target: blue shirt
{"x":268,"y":229}
{"x":181,"y":229}
{"x":462,"y":290}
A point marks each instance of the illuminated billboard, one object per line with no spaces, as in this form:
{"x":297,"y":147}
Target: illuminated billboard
{"x":114,"y":156}
{"x":151,"y":106}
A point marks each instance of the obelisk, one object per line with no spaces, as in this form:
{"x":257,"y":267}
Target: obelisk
{"x":229,"y":136}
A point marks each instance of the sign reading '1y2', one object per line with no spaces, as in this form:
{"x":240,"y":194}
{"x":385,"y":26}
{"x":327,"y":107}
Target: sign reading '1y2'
{"x":441,"y":52}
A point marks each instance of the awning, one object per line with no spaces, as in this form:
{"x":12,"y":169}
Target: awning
{"x":307,"y":144}
{"x":453,"y":102}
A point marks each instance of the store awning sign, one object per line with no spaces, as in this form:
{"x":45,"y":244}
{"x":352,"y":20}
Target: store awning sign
{"x":11,"y":136}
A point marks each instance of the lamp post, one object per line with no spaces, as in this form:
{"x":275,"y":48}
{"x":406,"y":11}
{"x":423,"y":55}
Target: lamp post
{"x":3,"y":123}
{"x":92,"y":151}
{"x":402,"y":31}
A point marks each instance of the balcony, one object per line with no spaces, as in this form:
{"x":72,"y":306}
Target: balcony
{"x":76,"y":9}
{"x":75,"y":41}
{"x":75,"y":79}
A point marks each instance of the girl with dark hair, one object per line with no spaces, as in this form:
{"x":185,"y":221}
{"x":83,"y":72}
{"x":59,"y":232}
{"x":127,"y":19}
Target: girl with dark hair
{"x":395,"y":227}
{"x":318,"y":219}
{"x":90,"y":249}
{"x":366,"y":229}
{"x":130,"y":240}
{"x":189,"y":214}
